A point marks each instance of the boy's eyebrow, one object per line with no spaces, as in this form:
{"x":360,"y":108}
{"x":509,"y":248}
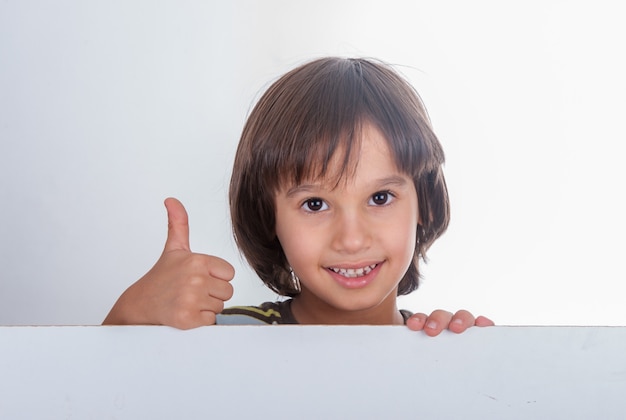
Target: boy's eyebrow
{"x":392,"y":180}
{"x":301,"y":188}
{"x":397,"y":180}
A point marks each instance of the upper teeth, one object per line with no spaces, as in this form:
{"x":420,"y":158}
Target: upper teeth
{"x":354,"y":272}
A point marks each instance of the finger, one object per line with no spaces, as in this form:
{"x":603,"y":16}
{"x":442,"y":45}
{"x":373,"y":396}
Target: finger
{"x":208,"y":316}
{"x":203,"y":313}
{"x":221,"y":290}
{"x":202,"y":319}
{"x":437,"y":322}
{"x":483,"y":321}
{"x":220,"y":269}
{"x":177,"y":226}
{"x":416,"y":322}
{"x":461,"y":321}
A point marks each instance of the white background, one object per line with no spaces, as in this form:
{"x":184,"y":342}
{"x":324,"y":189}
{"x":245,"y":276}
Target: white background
{"x":108,"y":107}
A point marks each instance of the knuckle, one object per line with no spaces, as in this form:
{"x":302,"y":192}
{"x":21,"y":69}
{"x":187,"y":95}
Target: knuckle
{"x":196,"y":280}
{"x":463,"y":314}
{"x":184,"y":319}
{"x":196,"y":263}
{"x":218,"y":306}
{"x":441,"y":314}
{"x":186,"y":301}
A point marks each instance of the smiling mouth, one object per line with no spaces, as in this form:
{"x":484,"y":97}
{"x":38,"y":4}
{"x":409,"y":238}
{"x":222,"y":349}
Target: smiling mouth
{"x":354,"y":272}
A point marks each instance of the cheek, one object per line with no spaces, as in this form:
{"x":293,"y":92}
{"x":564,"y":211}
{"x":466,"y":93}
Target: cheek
{"x":303,"y":245}
{"x":291,"y":238}
{"x":403,"y":235}
{"x":403,"y":241}
{"x":297,"y":250}
{"x":283,"y":226}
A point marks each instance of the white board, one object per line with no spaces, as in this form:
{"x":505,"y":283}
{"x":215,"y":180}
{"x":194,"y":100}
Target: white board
{"x":311,"y":372}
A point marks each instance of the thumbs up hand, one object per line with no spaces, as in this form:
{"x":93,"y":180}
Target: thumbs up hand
{"x":183,"y":289}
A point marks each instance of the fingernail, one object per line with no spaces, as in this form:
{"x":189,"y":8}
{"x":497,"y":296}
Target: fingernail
{"x":458,"y":321}
{"x":431,"y":325}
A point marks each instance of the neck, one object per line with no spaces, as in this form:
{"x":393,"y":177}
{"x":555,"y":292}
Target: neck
{"x":308,"y":309}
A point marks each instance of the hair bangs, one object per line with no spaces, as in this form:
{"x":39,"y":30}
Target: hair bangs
{"x":325,"y":125}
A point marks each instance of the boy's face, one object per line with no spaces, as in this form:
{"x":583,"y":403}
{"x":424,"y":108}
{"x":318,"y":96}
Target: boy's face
{"x":351,"y":243}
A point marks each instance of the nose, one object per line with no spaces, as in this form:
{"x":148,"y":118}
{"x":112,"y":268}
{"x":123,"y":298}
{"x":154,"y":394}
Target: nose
{"x":351,"y":232}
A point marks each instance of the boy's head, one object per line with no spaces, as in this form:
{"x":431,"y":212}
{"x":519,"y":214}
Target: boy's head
{"x":302,"y":120}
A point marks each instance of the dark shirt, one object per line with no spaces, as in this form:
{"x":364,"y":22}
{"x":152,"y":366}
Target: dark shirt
{"x":266,"y":313}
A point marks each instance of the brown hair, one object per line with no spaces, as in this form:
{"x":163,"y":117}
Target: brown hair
{"x":294,"y":130}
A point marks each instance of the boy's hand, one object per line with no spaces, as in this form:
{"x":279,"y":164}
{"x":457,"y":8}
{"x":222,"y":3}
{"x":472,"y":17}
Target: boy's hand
{"x":183,"y":289}
{"x":440,"y":320}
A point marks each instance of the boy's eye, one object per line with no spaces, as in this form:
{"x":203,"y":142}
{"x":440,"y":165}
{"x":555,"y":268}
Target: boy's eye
{"x":314,"y":204}
{"x":381,"y":198}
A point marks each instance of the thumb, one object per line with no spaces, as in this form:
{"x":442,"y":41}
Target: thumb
{"x":177,"y":226}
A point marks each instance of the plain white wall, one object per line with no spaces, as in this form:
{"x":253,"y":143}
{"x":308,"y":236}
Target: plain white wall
{"x":106,"y":108}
